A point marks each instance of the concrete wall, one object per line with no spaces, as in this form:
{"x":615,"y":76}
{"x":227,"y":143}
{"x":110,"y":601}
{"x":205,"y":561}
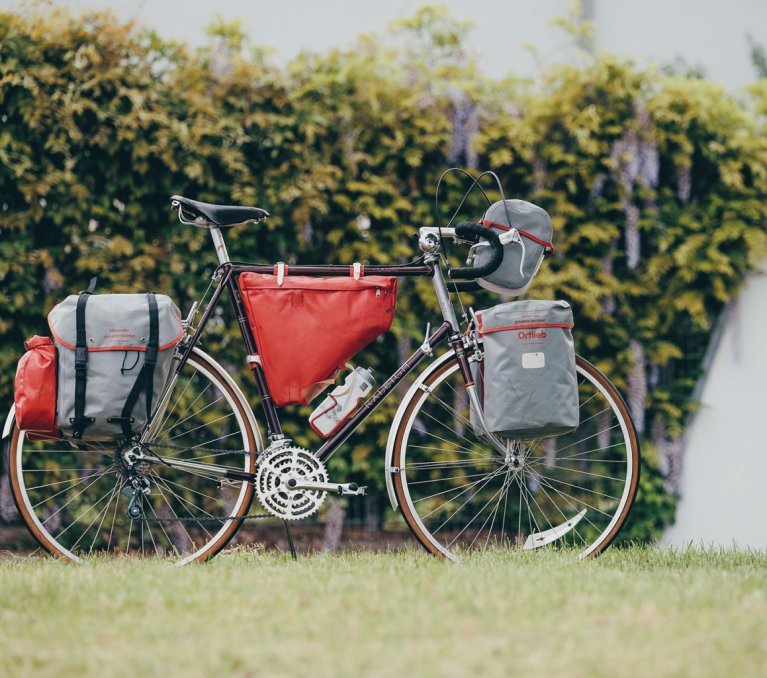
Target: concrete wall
{"x":710,"y":33}
{"x":724,"y":478}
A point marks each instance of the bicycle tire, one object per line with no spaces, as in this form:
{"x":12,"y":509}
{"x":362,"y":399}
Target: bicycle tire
{"x":170,"y":502}
{"x":412,"y":468}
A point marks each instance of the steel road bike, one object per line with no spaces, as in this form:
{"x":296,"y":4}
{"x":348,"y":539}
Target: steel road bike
{"x":182,"y":488}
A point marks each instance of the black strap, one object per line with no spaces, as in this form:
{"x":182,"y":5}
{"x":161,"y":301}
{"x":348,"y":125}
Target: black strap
{"x":152,"y":347}
{"x":81,"y":363}
{"x":145,"y":378}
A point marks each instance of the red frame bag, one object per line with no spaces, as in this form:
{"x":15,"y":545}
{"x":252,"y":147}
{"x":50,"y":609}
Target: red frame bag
{"x":35,"y":385}
{"x":307,"y":328}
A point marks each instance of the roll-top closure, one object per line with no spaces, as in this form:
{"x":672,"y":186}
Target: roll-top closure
{"x":525,"y":315}
{"x":116,"y":322}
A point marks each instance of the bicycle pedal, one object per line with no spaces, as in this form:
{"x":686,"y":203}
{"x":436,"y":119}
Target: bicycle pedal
{"x":353,"y":489}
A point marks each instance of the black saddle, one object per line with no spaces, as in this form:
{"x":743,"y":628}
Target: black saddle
{"x":204,"y":214}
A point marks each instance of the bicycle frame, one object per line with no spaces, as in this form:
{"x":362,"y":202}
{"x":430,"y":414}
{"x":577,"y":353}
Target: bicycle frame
{"x":226,"y":276}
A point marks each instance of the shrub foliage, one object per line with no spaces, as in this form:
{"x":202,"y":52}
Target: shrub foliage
{"x":656,"y":185}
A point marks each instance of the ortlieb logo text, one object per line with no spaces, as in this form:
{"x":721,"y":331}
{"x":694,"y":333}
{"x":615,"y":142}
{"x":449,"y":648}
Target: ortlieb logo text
{"x":532,"y":334}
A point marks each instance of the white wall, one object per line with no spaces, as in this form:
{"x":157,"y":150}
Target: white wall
{"x":724,"y":478}
{"x":711,"y":33}
{"x":707,"y":32}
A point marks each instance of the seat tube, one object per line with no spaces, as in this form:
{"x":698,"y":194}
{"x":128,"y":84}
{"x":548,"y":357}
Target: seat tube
{"x":220,"y":245}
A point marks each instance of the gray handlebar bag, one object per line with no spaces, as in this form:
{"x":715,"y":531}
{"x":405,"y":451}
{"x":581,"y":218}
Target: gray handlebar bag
{"x":119,"y":336}
{"x":527,"y":382}
{"x":529,"y":231}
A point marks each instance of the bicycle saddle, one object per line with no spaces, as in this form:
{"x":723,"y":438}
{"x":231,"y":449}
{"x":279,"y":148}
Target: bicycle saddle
{"x":203,"y":213}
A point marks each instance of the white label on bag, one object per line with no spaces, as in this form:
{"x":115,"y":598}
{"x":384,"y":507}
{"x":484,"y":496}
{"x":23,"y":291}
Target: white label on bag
{"x":532,"y":361}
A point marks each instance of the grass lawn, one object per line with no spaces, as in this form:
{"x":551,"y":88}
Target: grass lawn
{"x":632,"y":612}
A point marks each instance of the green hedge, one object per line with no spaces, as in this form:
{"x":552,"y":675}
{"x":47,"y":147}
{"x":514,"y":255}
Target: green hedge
{"x":656,"y":186}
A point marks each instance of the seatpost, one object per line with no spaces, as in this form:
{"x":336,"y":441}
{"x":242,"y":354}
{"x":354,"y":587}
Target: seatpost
{"x":218,"y":241}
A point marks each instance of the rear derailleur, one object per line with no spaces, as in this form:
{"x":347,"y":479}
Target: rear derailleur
{"x":139,"y":487}
{"x":134,"y":471}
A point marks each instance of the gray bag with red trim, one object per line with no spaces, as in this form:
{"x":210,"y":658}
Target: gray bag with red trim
{"x":526,"y":233}
{"x":115,"y":352}
{"x":527,"y":382}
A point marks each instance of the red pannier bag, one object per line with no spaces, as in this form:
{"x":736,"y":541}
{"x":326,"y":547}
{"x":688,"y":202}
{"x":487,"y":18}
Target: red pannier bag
{"x":307,"y":328}
{"x":34,"y":395}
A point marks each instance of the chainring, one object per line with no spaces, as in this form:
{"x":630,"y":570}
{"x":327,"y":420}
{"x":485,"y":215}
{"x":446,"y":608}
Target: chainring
{"x":274,"y":471}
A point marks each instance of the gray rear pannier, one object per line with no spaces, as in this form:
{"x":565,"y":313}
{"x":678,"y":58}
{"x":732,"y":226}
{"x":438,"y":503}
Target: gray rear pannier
{"x":527,"y":381}
{"x":120,"y":335}
{"x":526,"y":231}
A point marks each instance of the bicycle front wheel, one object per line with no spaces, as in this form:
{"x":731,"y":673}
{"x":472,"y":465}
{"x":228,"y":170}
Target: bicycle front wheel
{"x":459,"y":493}
{"x":79,"y":499}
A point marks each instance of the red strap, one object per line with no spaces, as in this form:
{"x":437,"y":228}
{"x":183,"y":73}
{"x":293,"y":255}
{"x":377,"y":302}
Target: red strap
{"x":534,"y":326}
{"x":36,"y":341}
{"x":549,"y":247}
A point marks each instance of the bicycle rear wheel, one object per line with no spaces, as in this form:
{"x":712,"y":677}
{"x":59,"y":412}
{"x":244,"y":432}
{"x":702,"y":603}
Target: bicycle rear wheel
{"x":74,"y":497}
{"x":459,"y":493}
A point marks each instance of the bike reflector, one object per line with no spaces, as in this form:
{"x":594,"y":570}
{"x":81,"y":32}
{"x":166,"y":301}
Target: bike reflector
{"x":527,"y":382}
{"x":307,"y":328}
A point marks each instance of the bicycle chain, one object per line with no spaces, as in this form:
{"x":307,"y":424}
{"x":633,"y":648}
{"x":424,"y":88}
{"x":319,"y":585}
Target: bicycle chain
{"x":217,"y":451}
{"x":255,"y":516}
{"x":214,"y":450}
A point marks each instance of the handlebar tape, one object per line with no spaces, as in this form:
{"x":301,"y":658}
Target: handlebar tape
{"x":466,"y":230}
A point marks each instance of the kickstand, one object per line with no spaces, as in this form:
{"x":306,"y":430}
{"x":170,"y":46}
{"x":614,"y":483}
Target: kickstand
{"x":289,"y":535}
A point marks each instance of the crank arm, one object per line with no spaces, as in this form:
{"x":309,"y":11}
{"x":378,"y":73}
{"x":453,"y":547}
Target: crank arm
{"x":333,"y":488}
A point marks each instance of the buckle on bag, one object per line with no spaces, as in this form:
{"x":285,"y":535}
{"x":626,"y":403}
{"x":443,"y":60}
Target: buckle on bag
{"x":150,"y":359}
{"x":81,"y":358}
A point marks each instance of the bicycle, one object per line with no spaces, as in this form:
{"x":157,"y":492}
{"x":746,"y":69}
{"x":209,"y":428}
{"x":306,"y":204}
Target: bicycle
{"x":183,"y":487}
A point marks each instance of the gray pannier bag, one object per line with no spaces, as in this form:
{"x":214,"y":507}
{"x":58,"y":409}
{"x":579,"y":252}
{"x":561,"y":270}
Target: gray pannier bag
{"x":526,"y":233}
{"x":527,"y":383}
{"x":114,"y":356}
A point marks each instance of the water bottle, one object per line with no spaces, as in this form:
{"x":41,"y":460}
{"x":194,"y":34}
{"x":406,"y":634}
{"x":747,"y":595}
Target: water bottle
{"x":342,"y":401}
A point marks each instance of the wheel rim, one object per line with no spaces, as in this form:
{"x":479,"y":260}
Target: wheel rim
{"x":460,"y":494}
{"x":75,"y":501}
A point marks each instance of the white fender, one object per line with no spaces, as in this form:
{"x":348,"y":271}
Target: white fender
{"x":412,"y":393}
{"x":9,"y":422}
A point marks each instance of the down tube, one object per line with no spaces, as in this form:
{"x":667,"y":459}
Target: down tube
{"x":340,"y":436}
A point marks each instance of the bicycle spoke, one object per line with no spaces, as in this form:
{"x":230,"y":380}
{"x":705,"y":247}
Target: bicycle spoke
{"x":453,"y":489}
{"x":178,"y":423}
{"x":75,"y":496}
{"x":82,"y":513}
{"x":489,"y":478}
{"x":528,"y":489}
{"x":70,"y":500}
{"x":69,"y":480}
{"x":582,"y":472}
{"x":567,"y":495}
{"x":197,"y":428}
